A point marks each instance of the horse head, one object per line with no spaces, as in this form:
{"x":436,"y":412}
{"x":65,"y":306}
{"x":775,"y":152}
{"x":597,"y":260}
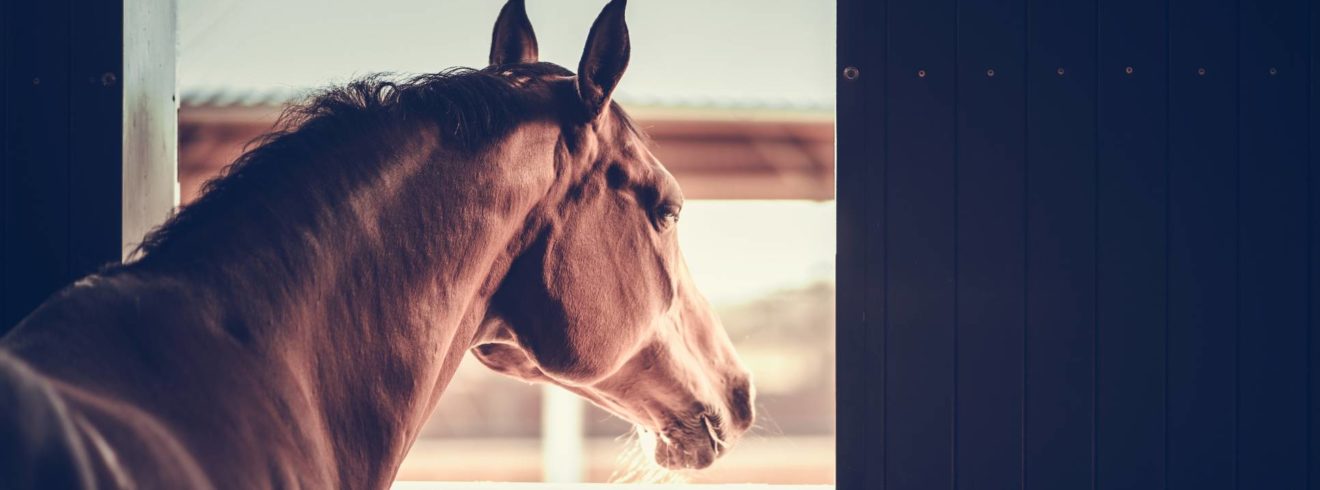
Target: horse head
{"x":601,"y":302}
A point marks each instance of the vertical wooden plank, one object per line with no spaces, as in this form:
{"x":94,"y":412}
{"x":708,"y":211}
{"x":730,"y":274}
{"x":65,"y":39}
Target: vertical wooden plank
{"x":1272,"y":235}
{"x":991,"y":137}
{"x":7,"y":13}
{"x":36,"y":156}
{"x":1313,"y":373}
{"x":875,"y":108}
{"x":1130,"y":253}
{"x":860,"y":194}
{"x":149,"y":120}
{"x":1060,"y":240}
{"x":1202,"y":244}
{"x":95,"y":54}
{"x":920,"y":249}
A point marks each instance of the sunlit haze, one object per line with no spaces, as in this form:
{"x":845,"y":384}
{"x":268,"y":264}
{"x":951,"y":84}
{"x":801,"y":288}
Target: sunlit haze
{"x":739,"y":250}
{"x":785,"y":46}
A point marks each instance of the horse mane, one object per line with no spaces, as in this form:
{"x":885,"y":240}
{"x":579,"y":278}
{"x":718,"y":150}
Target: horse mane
{"x":473,"y":108}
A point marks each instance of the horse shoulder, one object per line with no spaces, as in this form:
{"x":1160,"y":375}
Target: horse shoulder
{"x":39,"y":447}
{"x":58,"y":436}
{"x":63,"y":369}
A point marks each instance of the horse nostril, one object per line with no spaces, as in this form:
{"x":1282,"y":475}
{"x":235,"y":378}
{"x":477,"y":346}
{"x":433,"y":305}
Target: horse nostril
{"x":741,"y":409}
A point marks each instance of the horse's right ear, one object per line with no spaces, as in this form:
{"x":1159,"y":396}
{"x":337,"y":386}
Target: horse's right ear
{"x":513,"y":40}
{"x":605,"y":58}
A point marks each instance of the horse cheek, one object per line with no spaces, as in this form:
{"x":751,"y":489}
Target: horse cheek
{"x":608,"y":300}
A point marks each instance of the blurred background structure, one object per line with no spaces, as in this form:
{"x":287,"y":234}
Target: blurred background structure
{"x":738,"y":97}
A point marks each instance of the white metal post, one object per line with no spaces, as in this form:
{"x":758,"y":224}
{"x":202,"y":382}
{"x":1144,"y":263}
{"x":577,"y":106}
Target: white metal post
{"x":563,"y":454}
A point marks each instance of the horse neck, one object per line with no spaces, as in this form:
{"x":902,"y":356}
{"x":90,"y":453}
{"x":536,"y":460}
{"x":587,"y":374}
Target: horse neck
{"x":370,"y":314}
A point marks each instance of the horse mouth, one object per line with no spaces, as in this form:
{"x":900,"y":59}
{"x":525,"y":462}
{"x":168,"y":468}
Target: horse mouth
{"x":692,"y":441}
{"x":692,"y":444}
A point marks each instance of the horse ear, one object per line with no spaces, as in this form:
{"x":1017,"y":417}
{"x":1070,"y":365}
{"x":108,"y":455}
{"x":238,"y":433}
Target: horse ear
{"x":513,"y":40}
{"x":605,"y":58}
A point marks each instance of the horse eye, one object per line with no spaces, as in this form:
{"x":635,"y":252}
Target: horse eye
{"x":668,"y":215}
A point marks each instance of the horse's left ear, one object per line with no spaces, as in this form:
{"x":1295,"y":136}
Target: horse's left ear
{"x":513,"y":40}
{"x":604,"y":59}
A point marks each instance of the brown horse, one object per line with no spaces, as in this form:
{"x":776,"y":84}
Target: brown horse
{"x":296,"y":325}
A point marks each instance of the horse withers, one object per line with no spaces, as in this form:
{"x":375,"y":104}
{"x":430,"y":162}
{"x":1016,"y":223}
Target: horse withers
{"x":295,"y":326}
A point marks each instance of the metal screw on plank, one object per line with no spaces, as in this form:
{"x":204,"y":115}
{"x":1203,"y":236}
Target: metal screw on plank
{"x":1273,"y":71}
{"x":1128,"y":70}
{"x":851,"y":73}
{"x":990,"y":72}
{"x":1200,"y":71}
{"x":921,"y":73}
{"x":108,"y":79}
{"x":36,"y":81}
{"x":1059,"y":71}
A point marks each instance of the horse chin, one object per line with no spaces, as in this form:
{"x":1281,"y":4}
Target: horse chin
{"x":685,"y":455}
{"x":687,"y":446}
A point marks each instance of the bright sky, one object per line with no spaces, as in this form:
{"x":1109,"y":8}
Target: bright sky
{"x":777,"y":52}
{"x":740,"y":250}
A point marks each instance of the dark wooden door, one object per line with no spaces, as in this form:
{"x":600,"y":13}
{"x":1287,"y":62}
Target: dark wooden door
{"x":1079,"y":244}
{"x":88,"y":127}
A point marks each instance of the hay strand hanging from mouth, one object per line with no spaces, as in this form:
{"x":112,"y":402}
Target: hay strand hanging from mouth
{"x":636,"y":464}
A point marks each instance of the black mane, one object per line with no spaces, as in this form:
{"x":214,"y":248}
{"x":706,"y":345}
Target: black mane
{"x":472,"y":108}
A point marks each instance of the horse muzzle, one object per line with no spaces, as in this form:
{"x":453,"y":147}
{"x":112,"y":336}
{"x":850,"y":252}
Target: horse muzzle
{"x":695,"y":438}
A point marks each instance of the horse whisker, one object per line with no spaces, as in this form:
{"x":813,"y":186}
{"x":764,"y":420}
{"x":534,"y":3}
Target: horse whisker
{"x":716,"y":442}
